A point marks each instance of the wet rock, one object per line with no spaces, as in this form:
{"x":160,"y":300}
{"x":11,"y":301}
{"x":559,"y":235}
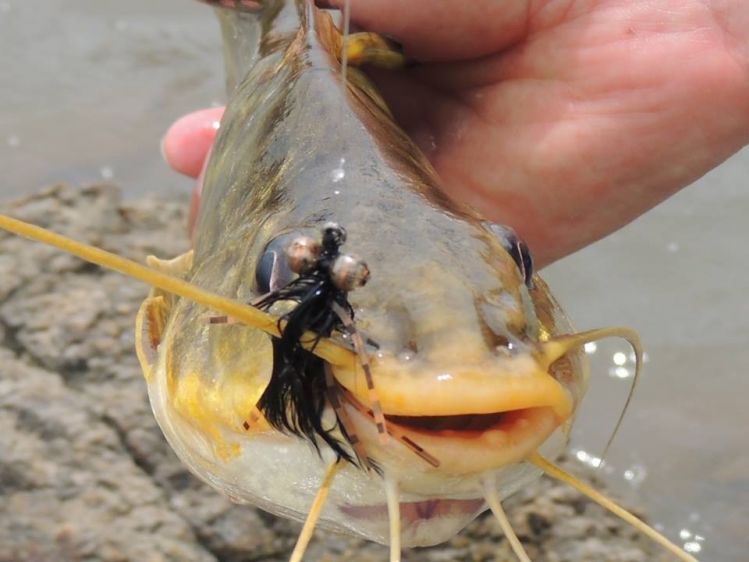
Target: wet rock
{"x":85,"y":473}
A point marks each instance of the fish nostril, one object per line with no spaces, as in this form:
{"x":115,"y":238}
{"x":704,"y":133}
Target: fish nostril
{"x":563,"y":370}
{"x":494,"y":341}
{"x":501,"y":343}
{"x":502,"y":334}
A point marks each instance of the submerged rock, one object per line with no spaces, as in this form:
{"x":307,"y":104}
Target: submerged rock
{"x":85,"y":473}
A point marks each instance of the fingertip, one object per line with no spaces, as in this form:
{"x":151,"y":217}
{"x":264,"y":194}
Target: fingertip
{"x":187,"y":142}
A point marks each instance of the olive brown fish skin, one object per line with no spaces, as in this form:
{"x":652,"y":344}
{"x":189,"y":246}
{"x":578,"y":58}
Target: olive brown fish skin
{"x":447,"y":305}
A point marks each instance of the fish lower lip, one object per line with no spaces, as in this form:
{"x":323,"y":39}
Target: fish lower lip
{"x":416,"y":512}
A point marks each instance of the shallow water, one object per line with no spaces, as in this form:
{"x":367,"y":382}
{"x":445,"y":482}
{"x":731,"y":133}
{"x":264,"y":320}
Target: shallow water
{"x":89,"y":86}
{"x":679,"y":276}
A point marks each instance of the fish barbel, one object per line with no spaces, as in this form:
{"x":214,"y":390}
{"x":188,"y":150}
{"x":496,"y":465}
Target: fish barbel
{"x":476,"y":373}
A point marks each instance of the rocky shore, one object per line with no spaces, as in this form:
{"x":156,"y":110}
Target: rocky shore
{"x":85,"y":474}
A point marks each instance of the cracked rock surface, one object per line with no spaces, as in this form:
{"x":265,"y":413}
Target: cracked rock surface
{"x":85,"y":474}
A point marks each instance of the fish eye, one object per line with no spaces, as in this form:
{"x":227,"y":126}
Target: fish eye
{"x":272,"y":271}
{"x":516,"y":247}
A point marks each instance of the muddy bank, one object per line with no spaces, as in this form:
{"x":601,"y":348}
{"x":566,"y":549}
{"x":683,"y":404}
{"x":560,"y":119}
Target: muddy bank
{"x":85,"y":473}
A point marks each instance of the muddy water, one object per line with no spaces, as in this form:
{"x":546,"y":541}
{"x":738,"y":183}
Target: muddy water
{"x":89,"y":86}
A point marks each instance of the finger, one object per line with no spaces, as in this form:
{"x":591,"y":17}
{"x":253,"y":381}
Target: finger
{"x":187,"y":142}
{"x":443,"y":30}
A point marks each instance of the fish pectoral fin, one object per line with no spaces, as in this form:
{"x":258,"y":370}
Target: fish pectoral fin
{"x":149,"y":329}
{"x":176,"y":266}
{"x":154,"y":311}
{"x":372,"y":48}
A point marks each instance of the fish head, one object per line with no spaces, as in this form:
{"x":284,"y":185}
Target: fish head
{"x":457,"y":332}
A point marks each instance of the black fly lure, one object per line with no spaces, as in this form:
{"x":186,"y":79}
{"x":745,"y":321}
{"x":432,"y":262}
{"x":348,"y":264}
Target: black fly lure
{"x":297,"y":393}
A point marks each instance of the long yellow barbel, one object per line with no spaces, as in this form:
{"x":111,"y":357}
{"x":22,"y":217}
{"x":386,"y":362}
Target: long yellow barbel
{"x":325,"y":348}
{"x":556,"y":472}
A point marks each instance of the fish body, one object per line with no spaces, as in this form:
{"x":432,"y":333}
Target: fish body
{"x":457,"y":325}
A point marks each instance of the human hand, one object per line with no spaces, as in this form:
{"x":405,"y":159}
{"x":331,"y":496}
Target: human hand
{"x":565,"y":120}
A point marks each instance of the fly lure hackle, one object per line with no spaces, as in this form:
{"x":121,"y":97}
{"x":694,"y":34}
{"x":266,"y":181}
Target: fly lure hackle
{"x":294,"y":400}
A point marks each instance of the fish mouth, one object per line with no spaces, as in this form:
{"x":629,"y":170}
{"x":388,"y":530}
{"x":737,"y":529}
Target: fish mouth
{"x":466,"y":419}
{"x":464,"y":423}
